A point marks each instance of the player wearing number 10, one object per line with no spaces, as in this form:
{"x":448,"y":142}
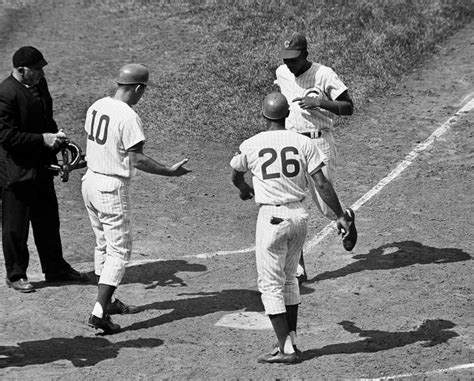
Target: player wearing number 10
{"x":115,"y":141}
{"x":280,"y":161}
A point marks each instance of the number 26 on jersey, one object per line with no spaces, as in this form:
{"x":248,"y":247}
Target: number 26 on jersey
{"x":271,"y":168}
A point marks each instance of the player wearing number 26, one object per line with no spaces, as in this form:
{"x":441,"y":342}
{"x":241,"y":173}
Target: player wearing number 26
{"x":280,"y":162}
{"x":115,"y":141}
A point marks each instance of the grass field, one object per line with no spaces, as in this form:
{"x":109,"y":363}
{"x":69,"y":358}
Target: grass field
{"x":213,"y":61}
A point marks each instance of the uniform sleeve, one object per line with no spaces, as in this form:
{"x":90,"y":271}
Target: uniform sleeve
{"x":333,"y":84}
{"x":239,"y":161}
{"x":315,"y":158}
{"x":132,"y":132}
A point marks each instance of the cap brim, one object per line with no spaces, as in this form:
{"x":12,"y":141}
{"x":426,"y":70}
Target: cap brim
{"x":38,"y":65}
{"x":287,"y":53}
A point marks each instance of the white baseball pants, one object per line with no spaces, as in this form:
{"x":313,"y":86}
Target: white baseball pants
{"x":107,"y":200}
{"x":326,"y":145}
{"x":278,"y":249}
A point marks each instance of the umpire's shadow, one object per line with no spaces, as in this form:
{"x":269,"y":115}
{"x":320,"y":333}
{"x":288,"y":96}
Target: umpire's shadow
{"x":80,"y":351}
{"x":396,"y":255}
{"x":199,"y":304}
{"x":432,"y":332}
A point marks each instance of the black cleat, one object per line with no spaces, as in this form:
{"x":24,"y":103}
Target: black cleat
{"x":350,"y":240}
{"x":104,"y":324}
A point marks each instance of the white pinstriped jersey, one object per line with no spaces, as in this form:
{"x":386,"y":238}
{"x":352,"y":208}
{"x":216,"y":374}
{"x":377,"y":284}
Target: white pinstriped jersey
{"x":112,"y":128}
{"x":278,"y":160}
{"x":292,"y":87}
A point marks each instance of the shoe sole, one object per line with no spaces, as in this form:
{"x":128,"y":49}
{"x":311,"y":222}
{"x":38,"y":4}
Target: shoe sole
{"x":107,"y":332}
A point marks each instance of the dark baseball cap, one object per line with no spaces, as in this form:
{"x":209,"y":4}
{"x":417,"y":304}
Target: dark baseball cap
{"x":293,"y":46}
{"x":28,"y":56}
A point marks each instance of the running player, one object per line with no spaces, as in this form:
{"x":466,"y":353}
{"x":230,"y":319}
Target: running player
{"x":316,"y":94}
{"x":115,"y":141}
{"x":281,"y":161}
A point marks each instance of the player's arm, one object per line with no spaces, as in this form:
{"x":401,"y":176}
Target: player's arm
{"x":329,"y":196}
{"x":238,"y":179}
{"x":342,"y":105}
{"x":146,"y":164}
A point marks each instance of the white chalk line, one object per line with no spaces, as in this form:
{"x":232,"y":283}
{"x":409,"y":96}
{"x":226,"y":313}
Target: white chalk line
{"x":432,"y":372}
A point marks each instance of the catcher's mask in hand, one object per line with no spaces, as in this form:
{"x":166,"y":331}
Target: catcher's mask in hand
{"x":70,"y":158}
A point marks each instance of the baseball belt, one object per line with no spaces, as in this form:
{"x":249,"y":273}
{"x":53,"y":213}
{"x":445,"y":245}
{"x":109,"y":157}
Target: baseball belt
{"x":312,"y":134}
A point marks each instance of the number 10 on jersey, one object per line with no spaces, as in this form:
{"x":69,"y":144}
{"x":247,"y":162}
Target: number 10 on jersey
{"x":98,"y":133}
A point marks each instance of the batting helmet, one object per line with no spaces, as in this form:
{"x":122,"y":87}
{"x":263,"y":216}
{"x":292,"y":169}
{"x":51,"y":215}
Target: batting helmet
{"x":133,"y":74}
{"x":275,"y":106}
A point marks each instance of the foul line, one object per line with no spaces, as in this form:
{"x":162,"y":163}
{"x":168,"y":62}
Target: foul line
{"x":371,"y":193}
{"x":438,"y":371}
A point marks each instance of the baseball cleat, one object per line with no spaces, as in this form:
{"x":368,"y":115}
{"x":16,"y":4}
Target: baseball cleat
{"x":278,"y":358}
{"x":350,"y":240}
{"x":104,"y":324}
{"x":118,"y":307}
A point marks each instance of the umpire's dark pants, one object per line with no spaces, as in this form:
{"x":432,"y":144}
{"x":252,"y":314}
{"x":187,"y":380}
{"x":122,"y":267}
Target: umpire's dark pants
{"x":38,"y":205}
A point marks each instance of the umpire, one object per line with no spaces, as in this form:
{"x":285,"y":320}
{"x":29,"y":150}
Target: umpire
{"x":28,"y":139}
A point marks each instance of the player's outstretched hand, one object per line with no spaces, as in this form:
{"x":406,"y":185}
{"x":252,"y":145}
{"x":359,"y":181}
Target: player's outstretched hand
{"x":178,"y":169}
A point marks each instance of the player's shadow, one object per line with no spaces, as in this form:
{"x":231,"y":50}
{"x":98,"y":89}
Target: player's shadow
{"x":161,"y":273}
{"x":431,"y":332}
{"x":396,"y":255}
{"x":152,"y":274}
{"x":80,"y":351}
{"x":199,"y":304}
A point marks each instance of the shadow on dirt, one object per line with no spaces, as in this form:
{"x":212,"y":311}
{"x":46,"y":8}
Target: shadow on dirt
{"x":160,"y":274}
{"x":433,"y":332}
{"x":201,"y":304}
{"x":396,"y":255}
{"x":80,"y":351}
{"x":153,"y":274}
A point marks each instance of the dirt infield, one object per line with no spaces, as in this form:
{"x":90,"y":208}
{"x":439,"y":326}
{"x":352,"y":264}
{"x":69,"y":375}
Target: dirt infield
{"x":399,"y":305}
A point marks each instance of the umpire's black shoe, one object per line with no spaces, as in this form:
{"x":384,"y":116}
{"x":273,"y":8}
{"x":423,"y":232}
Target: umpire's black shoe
{"x":118,"y":307}
{"x":69,"y":275}
{"x":350,"y":240}
{"x":20,"y":285}
{"x":104,"y":324}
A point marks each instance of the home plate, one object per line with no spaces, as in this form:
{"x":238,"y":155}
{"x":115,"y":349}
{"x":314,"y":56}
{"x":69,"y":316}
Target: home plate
{"x":245,"y":320}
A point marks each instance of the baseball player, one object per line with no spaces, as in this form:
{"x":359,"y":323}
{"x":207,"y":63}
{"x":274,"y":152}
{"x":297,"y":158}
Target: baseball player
{"x":315,"y":93}
{"x":115,"y":141}
{"x":281,"y":161}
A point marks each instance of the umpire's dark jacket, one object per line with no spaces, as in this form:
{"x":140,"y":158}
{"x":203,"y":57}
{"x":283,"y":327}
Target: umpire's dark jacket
{"x":23,"y":120}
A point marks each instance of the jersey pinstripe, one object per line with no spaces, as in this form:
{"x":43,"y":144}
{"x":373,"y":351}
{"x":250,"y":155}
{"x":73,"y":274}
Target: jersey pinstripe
{"x":112,"y":127}
{"x":292,"y":87}
{"x":278,"y":160}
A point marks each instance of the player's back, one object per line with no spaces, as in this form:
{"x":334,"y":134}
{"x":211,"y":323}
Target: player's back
{"x":109,"y":122}
{"x":279,"y":160}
